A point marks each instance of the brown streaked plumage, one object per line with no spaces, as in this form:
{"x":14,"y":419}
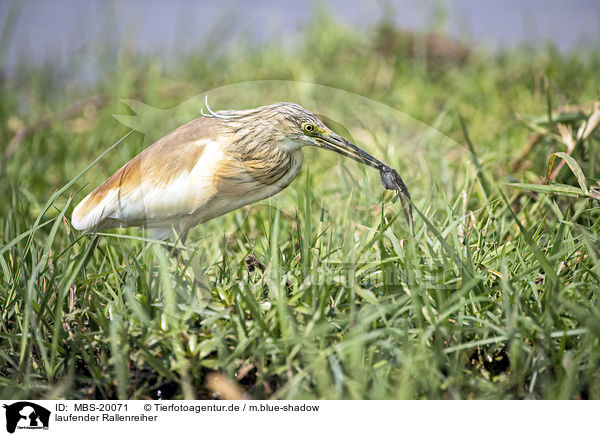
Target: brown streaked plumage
{"x":208,"y":167}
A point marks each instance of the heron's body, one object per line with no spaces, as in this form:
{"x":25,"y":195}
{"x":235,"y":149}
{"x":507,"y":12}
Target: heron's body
{"x":208,"y":167}
{"x":194,"y":174}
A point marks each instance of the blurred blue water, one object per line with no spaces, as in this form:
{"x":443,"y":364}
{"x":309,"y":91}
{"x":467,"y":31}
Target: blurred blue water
{"x":60,"y":28}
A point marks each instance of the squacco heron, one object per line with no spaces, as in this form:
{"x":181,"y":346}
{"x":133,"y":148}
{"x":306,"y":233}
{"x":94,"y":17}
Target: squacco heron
{"x":213,"y":165}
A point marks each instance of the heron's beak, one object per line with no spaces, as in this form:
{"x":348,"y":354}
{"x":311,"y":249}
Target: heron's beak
{"x":333,"y":141}
{"x":389,"y":176}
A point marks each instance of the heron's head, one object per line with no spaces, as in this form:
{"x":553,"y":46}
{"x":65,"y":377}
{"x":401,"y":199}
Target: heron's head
{"x":290,"y":126}
{"x":304,"y":128}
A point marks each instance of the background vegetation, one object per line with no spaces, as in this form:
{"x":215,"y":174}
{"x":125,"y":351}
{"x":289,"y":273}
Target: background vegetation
{"x":495,"y":296}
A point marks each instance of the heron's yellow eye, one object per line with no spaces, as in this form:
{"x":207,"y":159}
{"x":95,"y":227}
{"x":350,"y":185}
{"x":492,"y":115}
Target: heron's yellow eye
{"x":308,"y":127}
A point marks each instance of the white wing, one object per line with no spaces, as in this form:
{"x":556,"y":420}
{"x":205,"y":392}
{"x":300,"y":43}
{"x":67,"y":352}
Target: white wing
{"x":170,"y":179}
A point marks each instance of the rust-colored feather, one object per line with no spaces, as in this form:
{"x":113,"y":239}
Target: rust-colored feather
{"x":160,"y":164}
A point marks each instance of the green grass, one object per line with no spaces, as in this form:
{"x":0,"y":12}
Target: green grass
{"x":495,"y":296}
